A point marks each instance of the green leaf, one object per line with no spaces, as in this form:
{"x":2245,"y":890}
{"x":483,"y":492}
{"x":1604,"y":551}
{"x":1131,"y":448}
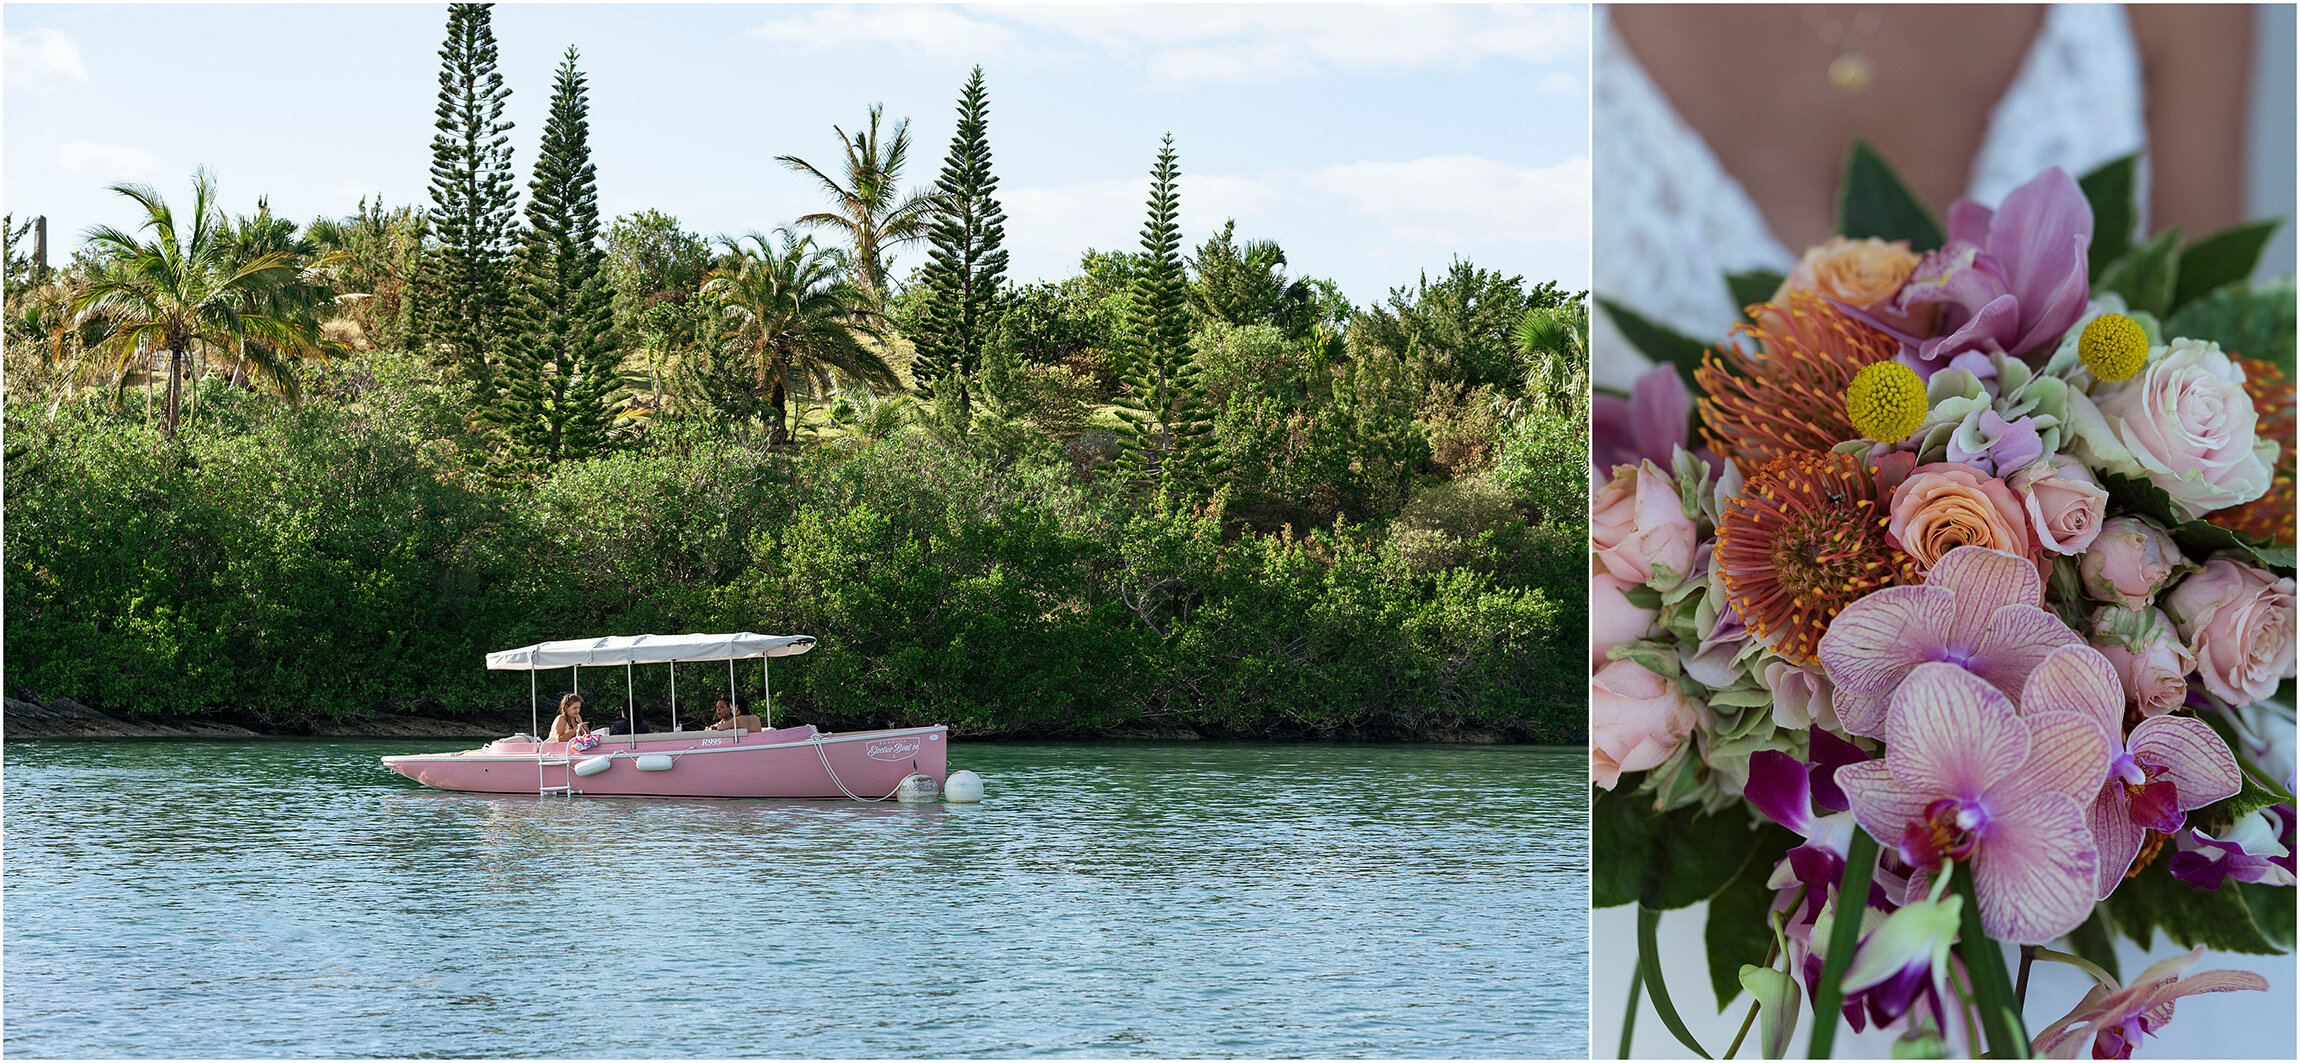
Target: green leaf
{"x":2154,"y":900}
{"x":2221,"y":258}
{"x":2114,"y":212}
{"x":1844,"y":935}
{"x":2139,"y":496}
{"x":1873,"y":201}
{"x":2272,"y":911}
{"x":1738,"y":931}
{"x":2218,"y":816}
{"x":1658,"y":341}
{"x":2257,"y":322}
{"x":1755,"y":286}
{"x":1992,"y":987}
{"x":1663,"y":860}
{"x":1649,"y":961}
{"x":2093,"y":940}
{"x":2146,"y":275}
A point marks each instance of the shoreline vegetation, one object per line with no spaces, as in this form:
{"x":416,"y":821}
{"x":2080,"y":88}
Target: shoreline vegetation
{"x":292,"y":478}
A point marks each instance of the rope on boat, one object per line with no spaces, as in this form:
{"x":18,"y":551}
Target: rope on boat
{"x":841,"y":783}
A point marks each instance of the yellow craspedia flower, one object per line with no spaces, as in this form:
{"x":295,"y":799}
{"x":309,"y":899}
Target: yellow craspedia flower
{"x":2113,"y":347}
{"x":1886,"y":402}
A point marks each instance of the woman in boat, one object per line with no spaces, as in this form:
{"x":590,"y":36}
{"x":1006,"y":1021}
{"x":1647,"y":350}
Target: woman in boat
{"x":726,"y":718}
{"x":569,"y":722}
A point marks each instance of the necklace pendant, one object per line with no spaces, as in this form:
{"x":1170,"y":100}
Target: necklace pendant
{"x":1851,"y":73}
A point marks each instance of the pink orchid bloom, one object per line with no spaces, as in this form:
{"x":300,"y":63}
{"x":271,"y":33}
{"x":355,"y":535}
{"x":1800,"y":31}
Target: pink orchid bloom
{"x":2114,"y":1020}
{"x":2009,"y":281}
{"x":1978,"y":609}
{"x":1650,"y":424}
{"x":2167,"y":766}
{"x":1967,"y":778}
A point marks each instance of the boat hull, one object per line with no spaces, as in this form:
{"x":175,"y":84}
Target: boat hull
{"x":789,"y":762}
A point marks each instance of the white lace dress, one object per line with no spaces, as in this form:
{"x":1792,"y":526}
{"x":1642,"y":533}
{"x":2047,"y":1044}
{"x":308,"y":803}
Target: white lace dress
{"x":1670,"y":222}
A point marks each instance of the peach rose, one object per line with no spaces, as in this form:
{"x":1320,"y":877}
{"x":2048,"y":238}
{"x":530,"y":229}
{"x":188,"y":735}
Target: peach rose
{"x":1636,"y":719}
{"x":1639,"y":528}
{"x":1947,"y":504}
{"x":2238,"y":621}
{"x":2149,"y":658}
{"x":1613,"y":619}
{"x":2064,"y":503}
{"x":1862,"y":273}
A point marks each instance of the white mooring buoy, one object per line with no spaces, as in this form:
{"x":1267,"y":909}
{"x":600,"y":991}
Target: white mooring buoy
{"x":963,"y":787}
{"x":916,"y":790}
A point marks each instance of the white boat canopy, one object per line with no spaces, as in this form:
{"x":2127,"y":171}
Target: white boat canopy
{"x":647,"y":649}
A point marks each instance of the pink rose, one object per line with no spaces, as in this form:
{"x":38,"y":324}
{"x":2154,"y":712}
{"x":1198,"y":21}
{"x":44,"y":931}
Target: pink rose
{"x":2238,"y":620}
{"x":1864,"y":273}
{"x":1946,"y":505}
{"x":1640,"y":530}
{"x":1636,"y":719}
{"x":2185,"y":424}
{"x":1613,"y":620}
{"x":2129,"y":561}
{"x":2148,"y":655}
{"x":2064,"y":503}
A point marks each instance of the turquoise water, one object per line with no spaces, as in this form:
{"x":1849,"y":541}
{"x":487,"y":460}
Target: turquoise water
{"x":292,"y":898}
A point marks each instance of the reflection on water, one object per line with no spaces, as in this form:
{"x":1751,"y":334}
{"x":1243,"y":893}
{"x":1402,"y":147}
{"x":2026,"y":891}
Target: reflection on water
{"x":293,"y":898}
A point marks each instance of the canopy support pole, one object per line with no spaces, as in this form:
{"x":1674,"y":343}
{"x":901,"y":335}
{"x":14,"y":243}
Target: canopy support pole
{"x":767,"y":686}
{"x":734,"y":708}
{"x":674,"y":689}
{"x":630,"y":702}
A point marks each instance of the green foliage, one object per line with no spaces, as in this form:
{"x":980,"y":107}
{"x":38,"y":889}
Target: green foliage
{"x":2256,"y":322}
{"x":1461,"y":330}
{"x":560,"y":385}
{"x":1544,"y":464}
{"x":2110,"y":190}
{"x":2219,"y":919}
{"x":1248,"y":286}
{"x":962,"y":280}
{"x":373,"y":255}
{"x":1873,"y":201}
{"x":655,"y":268}
{"x":1166,"y":444}
{"x":1657,"y":341}
{"x":464,"y":291}
{"x":1672,"y":859}
{"x":2147,"y":276}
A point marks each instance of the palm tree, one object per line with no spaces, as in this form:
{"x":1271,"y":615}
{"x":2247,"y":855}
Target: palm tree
{"x":791,"y":311}
{"x":1555,"y":344}
{"x":869,"y":210}
{"x":192,"y":283}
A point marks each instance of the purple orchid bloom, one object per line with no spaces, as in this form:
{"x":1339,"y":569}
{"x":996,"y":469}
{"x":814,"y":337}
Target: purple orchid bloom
{"x":1785,"y":791}
{"x":1967,"y":778}
{"x":2167,"y":767}
{"x":2011,"y":281}
{"x":1977,"y":609}
{"x":2257,"y":849}
{"x":2113,"y":1021}
{"x":1906,"y":961}
{"x":1650,"y":424}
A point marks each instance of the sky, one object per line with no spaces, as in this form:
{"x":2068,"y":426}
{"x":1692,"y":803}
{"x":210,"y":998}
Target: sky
{"x":1374,"y":144}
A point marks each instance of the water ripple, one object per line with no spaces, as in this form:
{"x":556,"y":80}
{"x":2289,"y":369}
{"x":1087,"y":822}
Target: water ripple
{"x":291,"y":898}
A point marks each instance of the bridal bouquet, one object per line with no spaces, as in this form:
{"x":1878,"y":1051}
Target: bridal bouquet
{"x":1949,"y":612}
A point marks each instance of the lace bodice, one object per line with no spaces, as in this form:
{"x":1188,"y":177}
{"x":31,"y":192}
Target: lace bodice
{"x":1670,"y":222}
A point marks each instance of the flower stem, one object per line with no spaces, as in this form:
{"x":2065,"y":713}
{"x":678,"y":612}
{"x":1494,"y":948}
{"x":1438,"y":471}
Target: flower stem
{"x":2020,"y":988}
{"x":1629,"y":1018}
{"x":1985,"y":961}
{"x":1746,"y":1021}
{"x":1844,"y":937}
{"x":2078,"y":962}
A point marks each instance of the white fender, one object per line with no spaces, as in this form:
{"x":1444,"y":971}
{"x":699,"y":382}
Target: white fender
{"x":653,"y":762}
{"x":592,"y":765}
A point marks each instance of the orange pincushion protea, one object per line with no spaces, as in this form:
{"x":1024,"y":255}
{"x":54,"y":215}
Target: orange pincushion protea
{"x":1788,"y":394}
{"x":1805,"y":539}
{"x":2269,"y":517}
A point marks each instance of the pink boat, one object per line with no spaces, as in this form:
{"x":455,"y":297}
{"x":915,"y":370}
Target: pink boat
{"x":769,"y":762}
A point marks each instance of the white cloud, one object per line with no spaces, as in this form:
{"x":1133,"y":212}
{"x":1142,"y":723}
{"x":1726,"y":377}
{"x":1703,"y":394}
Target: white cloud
{"x":108,"y":162}
{"x":42,"y":60}
{"x":1181,"y":45}
{"x":1475,"y":198}
{"x":936,"y":31}
{"x":1558,"y":84}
